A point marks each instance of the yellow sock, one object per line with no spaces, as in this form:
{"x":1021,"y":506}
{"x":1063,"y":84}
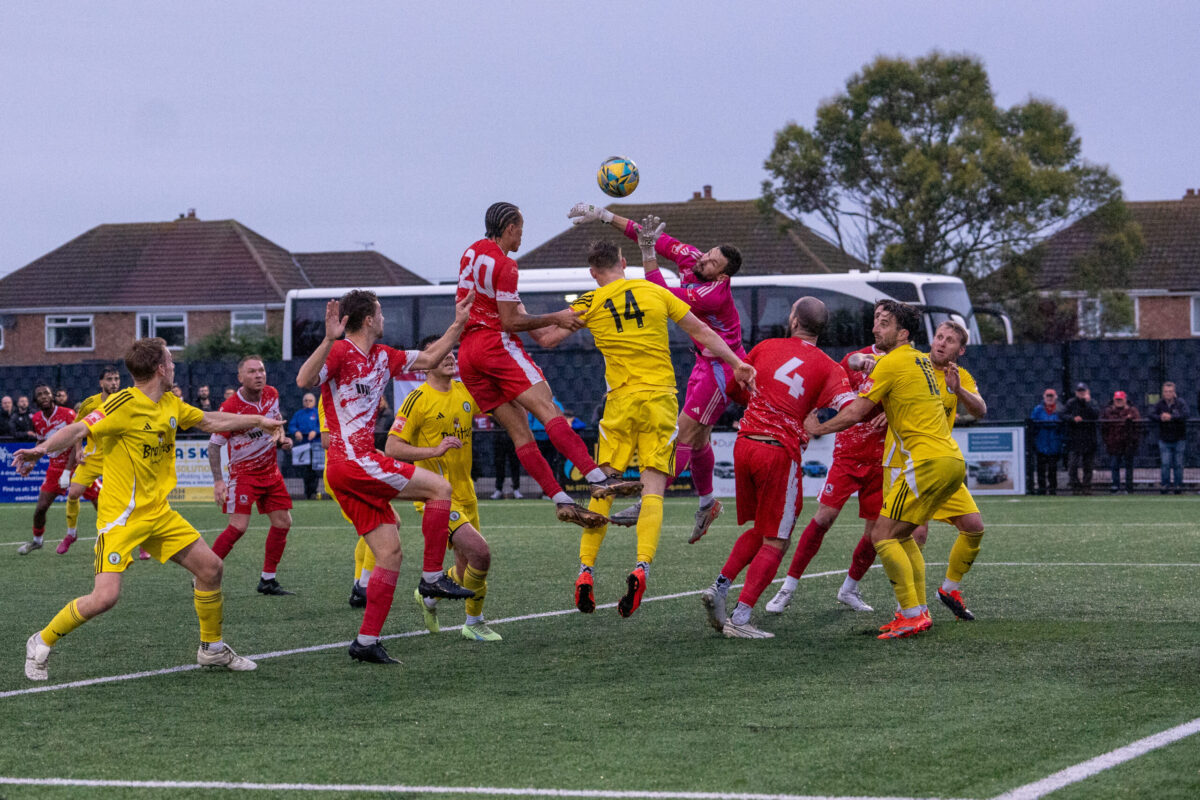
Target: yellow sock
{"x":360,"y":550}
{"x":210,"y":611}
{"x":368,"y":557}
{"x":65,"y":621}
{"x":649,"y":527}
{"x":962,"y":554}
{"x":917,"y":559}
{"x":590,"y":540}
{"x":476,"y":580}
{"x":72,"y":512}
{"x":899,"y":571}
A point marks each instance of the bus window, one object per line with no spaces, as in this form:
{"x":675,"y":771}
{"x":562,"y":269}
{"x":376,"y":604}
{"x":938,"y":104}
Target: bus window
{"x":951,"y":295}
{"x":547,"y":303}
{"x":308,"y":325}
{"x":435,"y":314}
{"x":850,"y":319}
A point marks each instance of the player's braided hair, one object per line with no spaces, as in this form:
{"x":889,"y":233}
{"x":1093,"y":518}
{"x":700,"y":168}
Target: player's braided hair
{"x":498,"y":217}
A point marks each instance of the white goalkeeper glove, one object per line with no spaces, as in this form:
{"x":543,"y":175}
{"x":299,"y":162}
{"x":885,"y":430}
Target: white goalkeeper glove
{"x":586,"y":212}
{"x":652,"y":228}
{"x":64,"y":480}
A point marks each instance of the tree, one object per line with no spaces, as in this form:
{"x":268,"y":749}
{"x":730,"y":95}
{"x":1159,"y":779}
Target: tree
{"x":914,"y":167}
{"x":220,"y":346}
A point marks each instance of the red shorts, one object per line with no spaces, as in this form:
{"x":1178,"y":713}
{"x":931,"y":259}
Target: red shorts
{"x":707,"y":391}
{"x":847,"y":477}
{"x":496,"y":368}
{"x":266,"y":490}
{"x":363,"y":488}
{"x":51,"y":486}
{"x":767,"y":481}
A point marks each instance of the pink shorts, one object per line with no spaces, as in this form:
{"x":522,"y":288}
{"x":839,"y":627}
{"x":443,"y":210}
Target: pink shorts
{"x":847,"y":477}
{"x":365,"y":487}
{"x":51,"y":486}
{"x":767,"y":482}
{"x":266,"y":490}
{"x":496,"y":368}
{"x":707,"y":394}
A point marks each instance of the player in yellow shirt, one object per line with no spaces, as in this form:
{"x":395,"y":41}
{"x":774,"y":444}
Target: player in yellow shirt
{"x":89,"y":461}
{"x":433,"y":430}
{"x":136,"y":431}
{"x":628,"y":321}
{"x":931,"y":465}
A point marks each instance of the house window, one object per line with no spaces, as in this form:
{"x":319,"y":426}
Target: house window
{"x":1091,"y":314}
{"x":1195,"y":316}
{"x":69,"y":332}
{"x":172,"y":328}
{"x":248,"y":323}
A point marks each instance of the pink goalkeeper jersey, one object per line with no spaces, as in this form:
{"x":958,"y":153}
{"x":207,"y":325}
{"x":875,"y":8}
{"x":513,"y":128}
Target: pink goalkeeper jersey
{"x":351,"y":384}
{"x":711,"y":301}
{"x":251,"y":451}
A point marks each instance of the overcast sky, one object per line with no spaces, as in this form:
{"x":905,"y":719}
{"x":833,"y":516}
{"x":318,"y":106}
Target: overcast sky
{"x":324,"y":126}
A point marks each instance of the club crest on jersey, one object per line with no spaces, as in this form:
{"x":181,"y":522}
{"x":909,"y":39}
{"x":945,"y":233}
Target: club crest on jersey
{"x":455,"y":516}
{"x":114,"y":558}
{"x":466,"y":406}
{"x":173,"y":422}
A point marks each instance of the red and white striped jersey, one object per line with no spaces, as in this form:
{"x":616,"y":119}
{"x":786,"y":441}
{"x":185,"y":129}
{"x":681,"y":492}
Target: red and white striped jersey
{"x":862,"y":442}
{"x":45,"y":427}
{"x":252,"y":451}
{"x":351,"y":384}
{"x":493,"y":275}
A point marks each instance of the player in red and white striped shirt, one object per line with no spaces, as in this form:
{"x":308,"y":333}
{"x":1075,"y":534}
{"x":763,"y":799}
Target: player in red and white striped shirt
{"x":254,"y":476}
{"x":353,"y":374}
{"x":48,"y":419}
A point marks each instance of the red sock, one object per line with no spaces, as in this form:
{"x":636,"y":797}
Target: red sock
{"x":743,"y":551}
{"x":435,"y":527}
{"x":39,"y":531}
{"x":807,"y":547}
{"x":761,"y":573}
{"x":276,"y":541}
{"x":226,"y":541}
{"x":567,"y":442}
{"x":863,"y":558}
{"x":703,"y":462}
{"x":538,"y":468}
{"x":683,"y":457}
{"x":379,"y":600}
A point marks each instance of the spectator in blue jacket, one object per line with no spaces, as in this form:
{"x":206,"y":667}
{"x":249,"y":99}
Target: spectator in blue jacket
{"x":305,"y":428}
{"x":1171,"y":414}
{"x":1047,"y":443}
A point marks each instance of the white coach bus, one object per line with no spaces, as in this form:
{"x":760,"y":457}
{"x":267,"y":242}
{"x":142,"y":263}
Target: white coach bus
{"x":763,"y":301}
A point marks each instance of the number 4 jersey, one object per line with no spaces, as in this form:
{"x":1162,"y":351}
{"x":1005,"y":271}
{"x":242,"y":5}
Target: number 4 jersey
{"x":794,"y":378}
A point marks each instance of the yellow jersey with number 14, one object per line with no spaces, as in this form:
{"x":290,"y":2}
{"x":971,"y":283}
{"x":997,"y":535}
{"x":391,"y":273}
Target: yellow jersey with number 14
{"x":628,"y":320}
{"x":904,"y":383}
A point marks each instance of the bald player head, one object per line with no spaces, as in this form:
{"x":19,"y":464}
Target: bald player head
{"x":809,"y":318}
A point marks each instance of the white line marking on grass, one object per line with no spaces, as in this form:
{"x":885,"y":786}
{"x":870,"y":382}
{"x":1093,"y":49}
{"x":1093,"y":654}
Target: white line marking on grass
{"x":1098,"y":764}
{"x":402,"y":789}
{"x":334,"y":645}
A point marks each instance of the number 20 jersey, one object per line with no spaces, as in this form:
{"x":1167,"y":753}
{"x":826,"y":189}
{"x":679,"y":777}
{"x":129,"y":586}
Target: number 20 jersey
{"x":794,"y":377}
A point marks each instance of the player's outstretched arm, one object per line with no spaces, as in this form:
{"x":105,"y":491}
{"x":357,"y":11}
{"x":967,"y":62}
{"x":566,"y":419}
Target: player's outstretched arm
{"x":23,"y":460}
{"x":513,"y":318}
{"x":852,"y":414}
{"x":709,"y":339}
{"x":972,"y":402}
{"x":335,"y":325}
{"x":401,"y":450}
{"x":224,"y":422}
{"x":432,"y":356}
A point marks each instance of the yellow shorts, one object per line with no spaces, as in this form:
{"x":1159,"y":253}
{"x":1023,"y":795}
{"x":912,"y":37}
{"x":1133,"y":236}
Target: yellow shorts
{"x":920,"y":490}
{"x":89,"y":471}
{"x":162,"y":536}
{"x":462,"y":512}
{"x":641,"y":423}
{"x":960,"y":503}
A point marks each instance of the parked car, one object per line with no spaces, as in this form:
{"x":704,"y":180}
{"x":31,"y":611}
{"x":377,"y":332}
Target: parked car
{"x":723,"y":469}
{"x":814,"y":469}
{"x":991,"y":473}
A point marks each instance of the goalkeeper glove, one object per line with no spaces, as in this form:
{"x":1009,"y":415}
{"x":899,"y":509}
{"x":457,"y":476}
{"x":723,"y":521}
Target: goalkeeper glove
{"x":652,"y":228}
{"x":586,"y":212}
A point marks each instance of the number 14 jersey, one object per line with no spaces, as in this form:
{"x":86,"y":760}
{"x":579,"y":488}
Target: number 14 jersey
{"x":794,"y":377}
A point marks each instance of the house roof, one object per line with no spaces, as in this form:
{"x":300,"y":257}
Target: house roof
{"x":1170,"y":260}
{"x":770,"y":243}
{"x":368,"y":268}
{"x":187,"y":261}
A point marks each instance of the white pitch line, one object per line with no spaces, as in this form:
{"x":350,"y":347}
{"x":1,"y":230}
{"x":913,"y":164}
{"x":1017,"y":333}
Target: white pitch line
{"x":403,"y":789}
{"x":1094,"y":766}
{"x":334,"y":645}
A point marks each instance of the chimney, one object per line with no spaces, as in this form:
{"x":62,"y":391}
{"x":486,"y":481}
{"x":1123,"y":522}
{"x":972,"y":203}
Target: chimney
{"x":695,"y":195}
{"x":191,"y":213}
{"x":708,"y":192}
{"x":1190,"y":195}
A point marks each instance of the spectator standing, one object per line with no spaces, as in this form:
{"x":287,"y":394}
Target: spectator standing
{"x":506,"y":463}
{"x":305,"y":428}
{"x":22,"y":420}
{"x":62,"y":397}
{"x":229,"y":392}
{"x":1171,"y":413}
{"x":6,"y":412}
{"x":1122,"y":433}
{"x":383,"y":423}
{"x":204,"y":400}
{"x":1047,"y":426}
{"x":1082,"y":415}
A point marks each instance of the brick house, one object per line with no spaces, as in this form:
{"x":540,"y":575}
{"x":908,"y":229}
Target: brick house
{"x":181,"y":280}
{"x":770,"y":244}
{"x":1164,"y":283}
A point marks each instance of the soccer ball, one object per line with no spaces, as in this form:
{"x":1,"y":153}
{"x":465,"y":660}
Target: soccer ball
{"x":618,"y":177}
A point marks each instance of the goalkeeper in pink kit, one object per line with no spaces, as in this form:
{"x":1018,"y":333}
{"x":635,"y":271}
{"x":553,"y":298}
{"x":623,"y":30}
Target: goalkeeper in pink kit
{"x":706,"y":288}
